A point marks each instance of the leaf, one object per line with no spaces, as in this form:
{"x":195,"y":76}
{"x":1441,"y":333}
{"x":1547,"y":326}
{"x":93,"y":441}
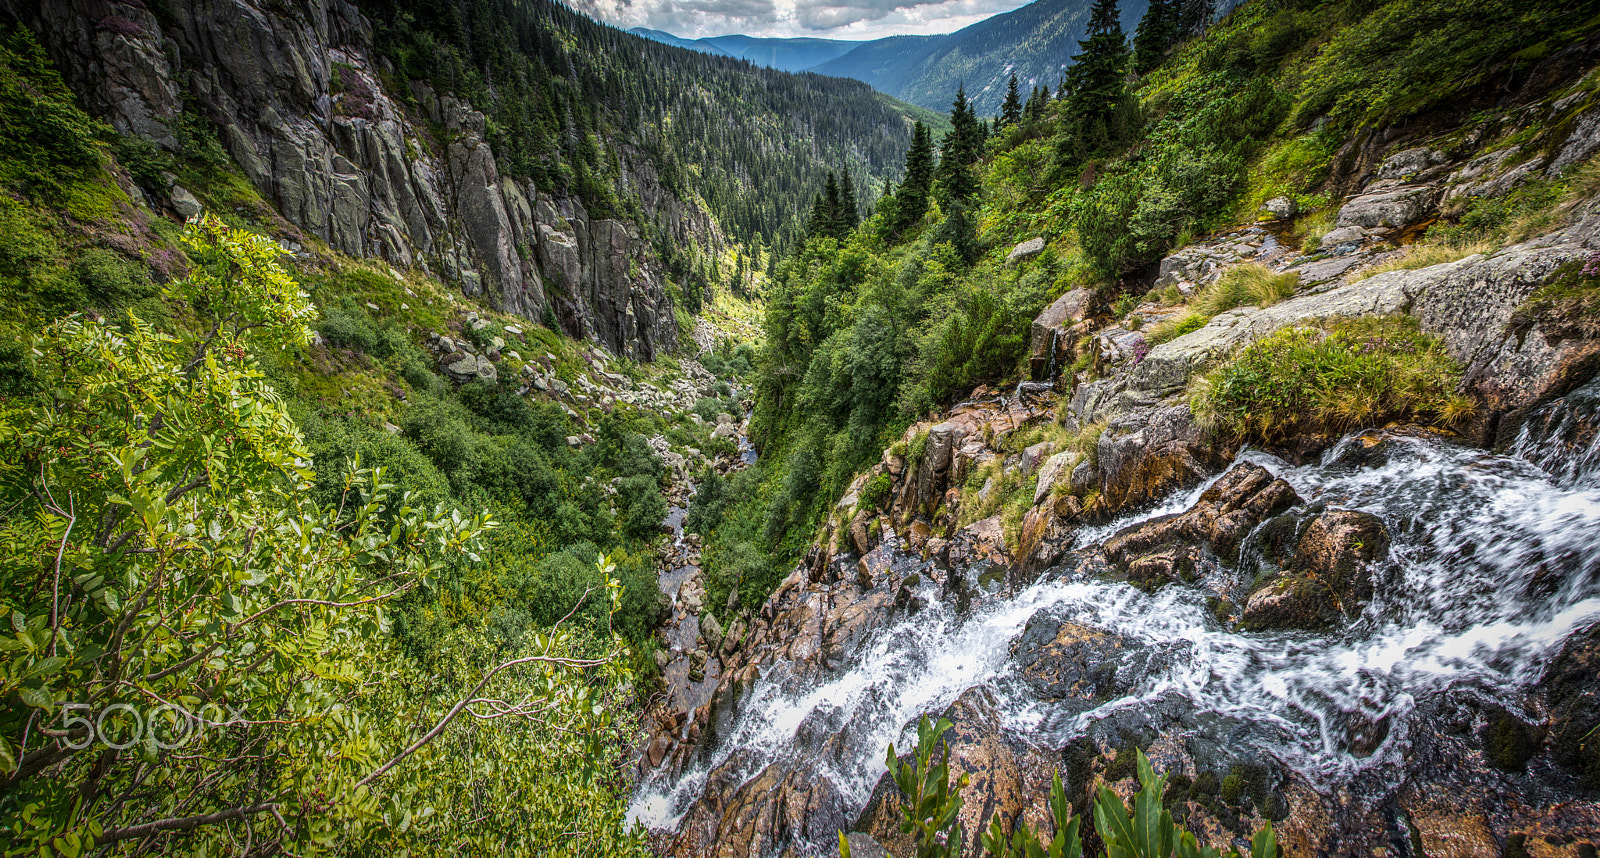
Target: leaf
{"x":38,"y":698}
{"x":8,"y":757}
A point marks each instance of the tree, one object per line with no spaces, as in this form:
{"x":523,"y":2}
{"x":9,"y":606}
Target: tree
{"x":170,"y":581}
{"x":849,"y":213}
{"x":1095,"y":86}
{"x":911,"y":200}
{"x":959,"y":151}
{"x":1158,"y":29}
{"x":1011,"y":110}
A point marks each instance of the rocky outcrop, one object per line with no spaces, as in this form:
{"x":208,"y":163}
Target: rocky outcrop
{"x":300,"y":105}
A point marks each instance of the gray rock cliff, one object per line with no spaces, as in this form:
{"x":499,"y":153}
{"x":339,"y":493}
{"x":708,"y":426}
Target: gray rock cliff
{"x":297,"y":101}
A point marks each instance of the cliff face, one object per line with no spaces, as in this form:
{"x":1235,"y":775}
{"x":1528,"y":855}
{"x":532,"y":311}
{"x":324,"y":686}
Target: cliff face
{"x":300,"y":106}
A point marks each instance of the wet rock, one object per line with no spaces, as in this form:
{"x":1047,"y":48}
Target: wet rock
{"x":711,"y":631}
{"x":1065,"y":661}
{"x":1234,"y":505}
{"x":1340,"y":547}
{"x":1004,"y":777}
{"x":1050,"y":332}
{"x":1573,"y":683}
{"x":1293,"y":601}
{"x":1146,"y":454}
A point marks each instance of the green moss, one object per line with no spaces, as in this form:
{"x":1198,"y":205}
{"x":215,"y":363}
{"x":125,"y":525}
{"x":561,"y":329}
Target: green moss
{"x":1568,"y":305}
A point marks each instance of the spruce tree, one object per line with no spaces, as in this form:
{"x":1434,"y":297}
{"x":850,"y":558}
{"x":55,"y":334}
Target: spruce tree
{"x":960,"y":150}
{"x":1095,"y":79}
{"x":1011,"y":110}
{"x":1190,"y":17}
{"x":911,"y":201}
{"x":849,"y":213}
{"x":832,"y":204}
{"x":1158,"y":29}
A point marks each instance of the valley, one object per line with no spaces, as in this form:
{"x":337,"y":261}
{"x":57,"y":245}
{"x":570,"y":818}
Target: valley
{"x":442,"y":427}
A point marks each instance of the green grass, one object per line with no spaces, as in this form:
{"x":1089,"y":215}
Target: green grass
{"x":1425,"y":256}
{"x":1251,"y":284}
{"x":1248,"y":284}
{"x":1344,"y":376}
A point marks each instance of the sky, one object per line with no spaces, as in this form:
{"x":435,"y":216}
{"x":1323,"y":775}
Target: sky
{"x":831,"y":19}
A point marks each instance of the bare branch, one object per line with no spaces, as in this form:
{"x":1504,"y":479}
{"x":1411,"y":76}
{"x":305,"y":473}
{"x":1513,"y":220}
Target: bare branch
{"x":187,"y":823}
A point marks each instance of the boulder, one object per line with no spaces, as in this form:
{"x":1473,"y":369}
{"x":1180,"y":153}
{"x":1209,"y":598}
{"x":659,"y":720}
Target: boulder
{"x":1389,"y":208}
{"x":1280,"y":208}
{"x":184,"y":203}
{"x":1027,"y":249}
{"x":1160,"y":550}
{"x":1050,"y":333}
{"x":711,"y":631}
{"x":1573,"y":684}
{"x":1051,"y":472}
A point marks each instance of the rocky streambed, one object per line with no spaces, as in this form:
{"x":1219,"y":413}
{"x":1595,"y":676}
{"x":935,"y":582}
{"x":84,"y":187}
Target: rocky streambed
{"x":1352,"y":647}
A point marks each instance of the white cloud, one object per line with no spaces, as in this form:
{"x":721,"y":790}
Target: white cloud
{"x":855,"y":19}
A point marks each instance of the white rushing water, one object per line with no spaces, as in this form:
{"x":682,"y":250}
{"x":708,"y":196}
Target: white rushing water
{"x":1494,"y":562}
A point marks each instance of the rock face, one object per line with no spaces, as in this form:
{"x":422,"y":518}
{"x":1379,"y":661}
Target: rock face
{"x":301,"y":108}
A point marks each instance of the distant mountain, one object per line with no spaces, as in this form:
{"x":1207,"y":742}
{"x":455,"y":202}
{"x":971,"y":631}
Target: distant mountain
{"x":1037,"y":42}
{"x":791,"y":55}
{"x":667,"y":38}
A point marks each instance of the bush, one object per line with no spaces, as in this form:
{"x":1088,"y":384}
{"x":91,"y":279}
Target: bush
{"x":640,"y":507}
{"x":348,"y":328}
{"x":110,"y":280}
{"x":1306,"y":380}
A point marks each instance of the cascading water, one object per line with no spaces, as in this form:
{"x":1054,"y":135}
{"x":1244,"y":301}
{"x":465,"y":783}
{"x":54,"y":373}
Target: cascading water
{"x":1495,"y":561}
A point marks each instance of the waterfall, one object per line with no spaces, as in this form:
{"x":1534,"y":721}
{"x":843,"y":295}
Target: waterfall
{"x":1495,"y":561}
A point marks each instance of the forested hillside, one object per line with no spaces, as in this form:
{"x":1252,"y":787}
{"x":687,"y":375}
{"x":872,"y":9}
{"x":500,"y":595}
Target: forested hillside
{"x":748,"y":140}
{"x":1158,"y":138}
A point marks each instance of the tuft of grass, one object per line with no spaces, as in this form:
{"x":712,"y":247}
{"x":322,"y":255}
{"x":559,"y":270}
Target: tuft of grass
{"x":1346,"y":375}
{"x":1251,"y":283}
{"x":1314,"y":227}
{"x":1568,"y":305}
{"x":1427,"y":255}
{"x":1175,"y":327}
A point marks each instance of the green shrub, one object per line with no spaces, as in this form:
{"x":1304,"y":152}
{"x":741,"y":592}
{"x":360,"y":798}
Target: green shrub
{"x":110,"y":280}
{"x":876,"y":491}
{"x":1355,"y":373}
{"x":347,"y":327}
{"x":641,"y":508}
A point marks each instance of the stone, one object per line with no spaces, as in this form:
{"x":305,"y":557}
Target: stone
{"x":185,"y":204}
{"x":1280,"y":208}
{"x":1390,"y":208}
{"x":711,"y":631}
{"x":1343,"y":239}
{"x":1051,"y":472}
{"x":1027,"y":249}
{"x":1049,"y":332}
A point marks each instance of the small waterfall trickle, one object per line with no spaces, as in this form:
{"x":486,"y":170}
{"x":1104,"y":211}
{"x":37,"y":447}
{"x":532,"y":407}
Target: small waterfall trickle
{"x":1563,"y":438}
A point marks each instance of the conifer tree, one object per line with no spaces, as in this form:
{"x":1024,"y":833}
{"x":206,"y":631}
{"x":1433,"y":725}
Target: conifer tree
{"x":911,"y":201}
{"x":1190,"y":17}
{"x":960,"y":150}
{"x":849,"y":213}
{"x":1011,"y":110}
{"x":1095,"y":79}
{"x":1158,"y":29}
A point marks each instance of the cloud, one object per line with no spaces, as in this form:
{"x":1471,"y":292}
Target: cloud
{"x":856,"y":19}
